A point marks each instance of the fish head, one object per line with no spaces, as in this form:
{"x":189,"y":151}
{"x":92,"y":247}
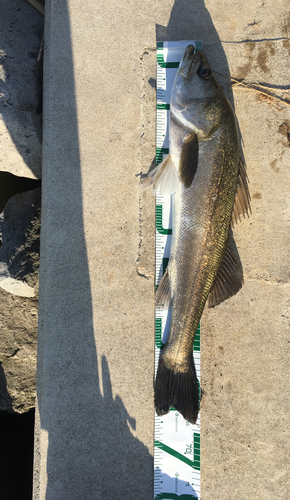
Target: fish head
{"x":195,"y":90}
{"x":194,"y":78}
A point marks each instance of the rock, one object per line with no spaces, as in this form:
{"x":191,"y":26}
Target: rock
{"x":18,"y":341}
{"x":12,"y":184}
{"x":19,"y":253}
{"x":16,"y":455}
{"x":21,"y":29}
{"x":20,"y":142}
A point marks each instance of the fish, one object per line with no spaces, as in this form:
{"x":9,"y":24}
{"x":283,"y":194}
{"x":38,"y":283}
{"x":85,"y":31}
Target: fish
{"x":206,"y":176}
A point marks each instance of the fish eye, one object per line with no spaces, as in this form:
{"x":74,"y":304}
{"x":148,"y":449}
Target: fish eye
{"x":204,"y":71}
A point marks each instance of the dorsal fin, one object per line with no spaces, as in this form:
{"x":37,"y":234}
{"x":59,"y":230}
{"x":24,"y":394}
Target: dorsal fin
{"x":229,"y":278}
{"x":242,"y":200}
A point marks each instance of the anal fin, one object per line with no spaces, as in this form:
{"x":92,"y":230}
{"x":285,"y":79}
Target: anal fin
{"x":163,"y":292}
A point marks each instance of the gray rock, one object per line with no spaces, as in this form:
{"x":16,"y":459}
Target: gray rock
{"x":19,"y":253}
{"x":12,"y":184}
{"x":18,"y":341}
{"x":21,"y":28}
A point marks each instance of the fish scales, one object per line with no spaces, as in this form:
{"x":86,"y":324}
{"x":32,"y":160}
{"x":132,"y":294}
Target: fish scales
{"x":203,"y":172}
{"x":201,"y":220}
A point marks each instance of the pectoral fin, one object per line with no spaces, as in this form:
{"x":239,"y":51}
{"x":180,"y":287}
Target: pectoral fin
{"x":163,"y":292}
{"x":242,"y":200}
{"x":188,"y":160}
{"x":163,"y":177}
{"x":229,"y":279}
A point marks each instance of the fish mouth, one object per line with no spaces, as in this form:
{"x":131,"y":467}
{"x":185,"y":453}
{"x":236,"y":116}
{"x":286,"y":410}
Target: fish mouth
{"x":190,"y":57}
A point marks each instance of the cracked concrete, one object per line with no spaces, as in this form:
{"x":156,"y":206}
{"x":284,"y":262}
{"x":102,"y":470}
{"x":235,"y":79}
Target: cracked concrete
{"x":146,"y":159}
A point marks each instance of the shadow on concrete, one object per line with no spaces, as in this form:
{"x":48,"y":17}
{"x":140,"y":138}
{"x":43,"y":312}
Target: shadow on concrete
{"x":92,"y":453}
{"x":190,"y":20}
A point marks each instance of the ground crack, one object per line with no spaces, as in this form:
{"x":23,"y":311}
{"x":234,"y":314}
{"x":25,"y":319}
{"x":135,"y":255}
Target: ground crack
{"x":14,"y":353}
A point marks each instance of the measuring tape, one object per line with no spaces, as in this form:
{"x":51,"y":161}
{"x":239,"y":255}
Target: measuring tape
{"x":176,"y":442}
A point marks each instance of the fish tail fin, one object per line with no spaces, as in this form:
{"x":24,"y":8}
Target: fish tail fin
{"x":176,"y":389}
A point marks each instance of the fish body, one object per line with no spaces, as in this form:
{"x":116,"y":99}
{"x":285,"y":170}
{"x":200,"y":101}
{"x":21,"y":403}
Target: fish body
{"x":203,"y":173}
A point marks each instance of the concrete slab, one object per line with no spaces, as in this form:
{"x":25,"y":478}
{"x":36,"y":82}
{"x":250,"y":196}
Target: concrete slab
{"x":95,"y":351}
{"x":94,"y":437}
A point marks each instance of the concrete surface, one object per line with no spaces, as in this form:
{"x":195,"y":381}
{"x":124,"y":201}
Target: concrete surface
{"x":96,"y":335}
{"x":94,"y":433}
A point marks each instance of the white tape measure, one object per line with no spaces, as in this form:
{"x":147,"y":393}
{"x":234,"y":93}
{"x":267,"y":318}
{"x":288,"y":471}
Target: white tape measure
{"x":176,"y":442}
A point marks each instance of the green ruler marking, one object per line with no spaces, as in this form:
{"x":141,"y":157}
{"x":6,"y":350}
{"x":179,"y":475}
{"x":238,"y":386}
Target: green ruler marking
{"x":159,"y":154}
{"x":159,"y":227}
{"x":176,"y":442}
{"x":162,"y":106}
{"x":195,"y":464}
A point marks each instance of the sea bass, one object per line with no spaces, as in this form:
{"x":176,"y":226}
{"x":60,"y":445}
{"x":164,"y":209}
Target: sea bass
{"x":208,"y":181}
